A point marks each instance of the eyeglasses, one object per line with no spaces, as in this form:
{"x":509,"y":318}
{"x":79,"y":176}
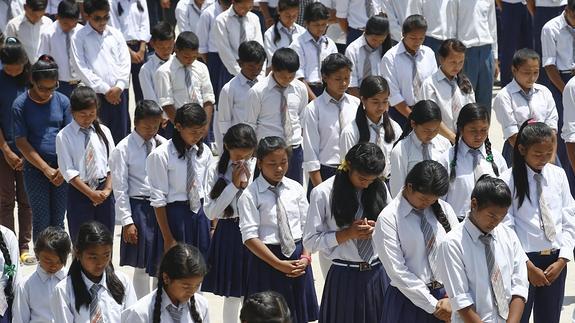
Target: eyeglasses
{"x":47,"y":89}
{"x":100,"y":18}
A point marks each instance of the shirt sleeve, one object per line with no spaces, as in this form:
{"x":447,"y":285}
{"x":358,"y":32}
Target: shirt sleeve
{"x":207,"y":89}
{"x":297,"y":47}
{"x":548,"y":47}
{"x":11,"y":30}
{"x":568,"y":220}
{"x":21,"y":306}
{"x":519,"y":280}
{"x":317,"y":237}
{"x":568,"y":129}
{"x":552,"y":117}
{"x":341,"y":8}
{"x":62,"y":310}
{"x":225,"y":105}
{"x":80,"y":63}
{"x":146,"y":83}
{"x":347,"y":139}
{"x":249,"y":215}
{"x":387,"y":71}
{"x":303,"y":206}
{"x":129,"y":292}
{"x":453,"y":276}
{"x":214,"y":208}
{"x":120,"y":174}
{"x":44,"y":47}
{"x":124,"y":62}
{"x":157,"y":170}
{"x":203,"y":32}
{"x":255,"y":104}
{"x":65,"y":161}
{"x":354,"y":58}
{"x":503,"y":107}
{"x":311,"y":138}
{"x":182,"y":16}
{"x":394,"y":23}
{"x":162,"y":81}
{"x":398,"y":171}
{"x":20,"y":127}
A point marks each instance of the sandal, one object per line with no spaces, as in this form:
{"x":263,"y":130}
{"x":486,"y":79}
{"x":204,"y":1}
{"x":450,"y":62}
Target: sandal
{"x":27,"y":259}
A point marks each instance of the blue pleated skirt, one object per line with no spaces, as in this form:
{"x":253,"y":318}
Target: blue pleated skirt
{"x":144,"y":217}
{"x":399,"y":309}
{"x":299,"y":292}
{"x":227,"y":261}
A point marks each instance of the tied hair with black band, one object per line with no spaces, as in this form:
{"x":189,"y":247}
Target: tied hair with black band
{"x":9,"y":271}
{"x":13,"y":53}
{"x":455,"y":45}
{"x":282,"y":5}
{"x":265,"y":307}
{"x":423,"y":111}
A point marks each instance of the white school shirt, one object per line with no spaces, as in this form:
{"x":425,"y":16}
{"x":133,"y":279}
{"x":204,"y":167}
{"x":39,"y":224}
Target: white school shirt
{"x":350,"y":137}
{"x":133,"y":23}
{"x":461,"y":187}
{"x":14,"y":250}
{"x":214,"y":209}
{"x":129,"y":178}
{"x":512,"y":109}
{"x":188,"y":14}
{"x":264,"y":114}
{"x":14,"y":10}
{"x":397,"y":67}
{"x":102,"y":60}
{"x":52,"y":7}
{"x":271,"y":46}
{"x":464,"y":271}
{"x":557,"y":44}
{"x":166,"y":173}
{"x":358,"y":55}
{"x":170,"y":84}
{"x":334,"y":31}
{"x":309,"y":66}
{"x":53,"y":43}
{"x":322,"y":129}
{"x":146,"y":76}
{"x":550,"y":3}
{"x":226,"y":34}
{"x":70,"y":150}
{"x":568,"y":130}
{"x":143,"y":310}
{"x":397,"y":11}
{"x":204,"y":28}
{"x":63,"y":303}
{"x":407,"y":153}
{"x":27,"y":33}
{"x":355,"y":12}
{"x":32,"y":297}
{"x":525,"y":220}
{"x":439,"y":26}
{"x":257,"y":210}
{"x":437,"y":88}
{"x":400,"y":244}
{"x":321,"y":228}
{"x":476,"y":24}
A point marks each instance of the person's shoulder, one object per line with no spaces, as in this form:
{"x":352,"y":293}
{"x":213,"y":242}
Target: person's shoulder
{"x":454,"y":236}
{"x":353,"y":100}
{"x":20,"y":100}
{"x":299,"y":85}
{"x":60,"y":98}
{"x":553,"y":25}
{"x":200,"y":66}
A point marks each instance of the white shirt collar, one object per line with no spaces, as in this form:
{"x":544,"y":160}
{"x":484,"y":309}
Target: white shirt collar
{"x":44,"y":276}
{"x":263,"y":184}
{"x":90,"y":283}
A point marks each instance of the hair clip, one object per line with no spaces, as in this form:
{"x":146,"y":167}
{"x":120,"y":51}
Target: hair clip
{"x":344,"y":167}
{"x":531,"y":121}
{"x":10,"y":270}
{"x":11,"y":40}
{"x":489,"y":158}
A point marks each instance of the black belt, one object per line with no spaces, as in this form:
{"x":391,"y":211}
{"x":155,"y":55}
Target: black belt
{"x":546,"y":252}
{"x":140,"y":197}
{"x":434,"y":285}
{"x":361,"y":266}
{"x":567,"y":72}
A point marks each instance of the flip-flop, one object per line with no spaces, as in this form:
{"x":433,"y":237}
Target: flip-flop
{"x":28,"y":259}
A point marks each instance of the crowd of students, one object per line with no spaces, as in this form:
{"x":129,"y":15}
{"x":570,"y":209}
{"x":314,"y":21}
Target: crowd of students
{"x":384,"y":105}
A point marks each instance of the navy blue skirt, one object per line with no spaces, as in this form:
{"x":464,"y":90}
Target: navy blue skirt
{"x":299,"y":292}
{"x":219,"y":75}
{"x":350,"y":295}
{"x":399,"y":309}
{"x":144,"y":217}
{"x":227,"y":261}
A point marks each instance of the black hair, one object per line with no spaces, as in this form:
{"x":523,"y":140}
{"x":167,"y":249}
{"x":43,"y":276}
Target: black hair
{"x":9,"y":288}
{"x":240,"y":136}
{"x":530,"y":133}
{"x":82,"y":98}
{"x":37,"y":5}
{"x":13,"y":53}
{"x":45,"y":69}
{"x":189,"y":115}
{"x":282,"y":5}
{"x":180,"y":262}
{"x":265,"y":307}
{"x":335,"y":62}
{"x":469,"y":113}
{"x":372,"y":86}
{"x":163,"y":31}
{"x":490,"y":191}
{"x":120,"y":10}
{"x":91,"y":6}
{"x":570,"y":5}
{"x":93,"y":234}
{"x":270,"y":144}
{"x":147,"y":109}
{"x":251,"y":52}
{"x":455,"y":45}
{"x":379,"y":25}
{"x":367,"y":159}
{"x":430,"y":177}
{"x":315,"y":11}
{"x":187,"y":40}
{"x":523,"y":55}
{"x":423,"y":111}
{"x":68,"y":9}
{"x":285,"y":59}
{"x":414,"y":23}
{"x":56,"y":240}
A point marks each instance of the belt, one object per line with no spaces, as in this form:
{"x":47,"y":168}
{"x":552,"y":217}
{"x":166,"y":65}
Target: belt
{"x":316,"y":84}
{"x":546,"y":252}
{"x":362,"y":266}
{"x":434,"y":285}
{"x":133,"y":42}
{"x":140,"y":197}
{"x":72,"y":82}
{"x":567,"y":72}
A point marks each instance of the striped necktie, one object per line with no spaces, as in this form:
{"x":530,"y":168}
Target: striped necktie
{"x":241,"y":21}
{"x":90,"y":159}
{"x":287,"y":242}
{"x":191,"y":182}
{"x":455,"y":101}
{"x":318,"y":44}
{"x":572,"y":32}
{"x":95,"y":311}
{"x":73,"y":74}
{"x":416,"y":77}
{"x":284,"y":112}
{"x":378,"y":137}
{"x":364,"y":246}
{"x":497,"y":286}
{"x":425,"y":151}
{"x":175,"y":312}
{"x":149,"y":146}
{"x":252,"y":82}
{"x":429,"y":239}
{"x":288,"y":32}
{"x":475,"y":153}
{"x":367,"y":61}
{"x":339,"y":105}
{"x":544,"y":212}
{"x":528,"y":97}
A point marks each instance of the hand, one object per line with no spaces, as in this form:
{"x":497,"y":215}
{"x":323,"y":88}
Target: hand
{"x":292,"y":268}
{"x":496,"y":69}
{"x":113,"y":95}
{"x":15,"y":162}
{"x":269,"y":21}
{"x":165,"y":4}
{"x":96,"y":198}
{"x":554,"y":270}
{"x":239,"y":175}
{"x":130,"y":234}
{"x":169,"y":243}
{"x":59,"y":179}
{"x":165,"y":122}
{"x":443,"y":310}
{"x":50,"y":173}
{"x":361,"y":229}
{"x":536,"y":276}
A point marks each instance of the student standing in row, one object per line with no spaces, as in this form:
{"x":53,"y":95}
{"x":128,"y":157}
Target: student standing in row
{"x":28,"y":26}
{"x":353,"y":15}
{"x":285,"y":30}
{"x":266,"y":306}
{"x":440,"y":27}
{"x":516,"y":33}
{"x":188,"y":14}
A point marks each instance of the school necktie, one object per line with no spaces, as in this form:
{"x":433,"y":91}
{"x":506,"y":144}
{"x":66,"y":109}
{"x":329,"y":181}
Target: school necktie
{"x":378,"y":137}
{"x":191,"y":182}
{"x":317,"y":45}
{"x":148,"y":144}
{"x":95,"y":311}
{"x":286,"y":122}
{"x":417,"y":81}
{"x":189,"y":83}
{"x":90,"y":159}
{"x":288,"y":32}
{"x":73,"y":74}
{"x":287,"y":242}
{"x":475,"y":153}
{"x":367,"y":61}
{"x":429,"y":239}
{"x":364,"y":246}
{"x":241,"y":21}
{"x":252,"y":82}
{"x":369,"y":9}
{"x":544,"y":212}
{"x":455,"y":101}
{"x":339,"y":105}
{"x":496,"y":280}
{"x":528,"y":97}
{"x":175,"y":312}
{"x":425,"y":151}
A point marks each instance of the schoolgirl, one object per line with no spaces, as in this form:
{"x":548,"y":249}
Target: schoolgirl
{"x":265,"y":307}
{"x":285,"y":30}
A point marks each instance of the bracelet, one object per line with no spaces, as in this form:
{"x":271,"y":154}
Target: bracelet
{"x":305,"y":257}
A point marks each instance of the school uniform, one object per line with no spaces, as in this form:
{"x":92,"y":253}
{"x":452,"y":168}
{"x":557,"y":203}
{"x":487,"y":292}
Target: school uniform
{"x":365,"y":60}
{"x":143,"y":310}
{"x":400,"y":242}
{"x":257,"y":208}
{"x":13,"y":249}
{"x":188,"y":14}
{"x":63,"y":300}
{"x":73,"y":150}
{"x":58,"y":44}
{"x":407,"y":153}
{"x":447,"y":94}
{"x":529,"y":222}
{"x":27,"y":33}
{"x":132,"y":194}
{"x":350,"y":137}
{"x":146,"y":76}
{"x":287,"y":37}
{"x":467,"y":173}
{"x":334,"y":31}
{"x":397,"y":11}
{"x":568,"y":130}
{"x":405,"y":73}
{"x":311,"y":54}
{"x":513,"y":107}
{"x":227,"y":257}
{"x":39,"y":124}
{"x":33,"y":295}
{"x":356,"y":12}
{"x":266,"y":115}
{"x":477,"y":29}
{"x":168,"y":188}
{"x":8,"y":10}
{"x":356,"y":281}
{"x":102,"y":62}
{"x":439,"y":27}
{"x":465,"y":271}
{"x":208,"y":45}
{"x":545,"y":10}
{"x":516,"y":33}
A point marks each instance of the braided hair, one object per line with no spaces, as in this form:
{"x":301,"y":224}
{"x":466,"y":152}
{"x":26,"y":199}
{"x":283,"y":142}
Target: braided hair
{"x":9,"y":288}
{"x":370,"y":87}
{"x":265,"y":307}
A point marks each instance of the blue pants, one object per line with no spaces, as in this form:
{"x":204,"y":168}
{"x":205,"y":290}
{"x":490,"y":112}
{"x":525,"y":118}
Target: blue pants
{"x":116,"y":117}
{"x":135,"y":71}
{"x":541,"y":17}
{"x":516,"y":33}
{"x":396,"y":116}
{"x":48,"y":202}
{"x":295,"y":170}
{"x":352,"y":34}
{"x":81,"y":210}
{"x":479,"y":68}
{"x":66,"y":88}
